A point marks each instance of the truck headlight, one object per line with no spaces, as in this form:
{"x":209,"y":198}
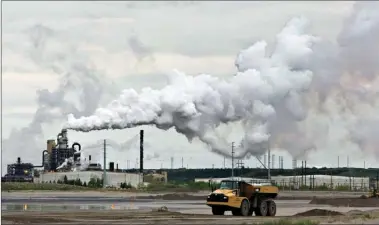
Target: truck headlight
{"x":209,"y":196}
{"x":257,"y":189}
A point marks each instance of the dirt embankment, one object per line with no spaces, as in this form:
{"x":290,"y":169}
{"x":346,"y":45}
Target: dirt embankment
{"x":319,"y":212}
{"x":347,"y":202}
{"x":183,"y":196}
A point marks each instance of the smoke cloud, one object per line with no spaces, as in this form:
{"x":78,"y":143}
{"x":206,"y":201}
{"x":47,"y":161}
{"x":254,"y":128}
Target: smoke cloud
{"x":76,"y":76}
{"x":294,"y":98}
{"x":196,"y":105}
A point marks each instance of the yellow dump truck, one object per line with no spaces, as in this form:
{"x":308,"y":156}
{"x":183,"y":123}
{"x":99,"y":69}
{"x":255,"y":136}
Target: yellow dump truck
{"x":243,"y":198}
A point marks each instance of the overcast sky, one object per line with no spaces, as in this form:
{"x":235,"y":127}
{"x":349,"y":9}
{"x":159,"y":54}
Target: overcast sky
{"x":133,"y":45}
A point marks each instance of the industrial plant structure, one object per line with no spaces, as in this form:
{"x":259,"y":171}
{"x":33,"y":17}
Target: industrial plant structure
{"x":61,"y":160}
{"x":59,"y":155}
{"x":19,"y":172}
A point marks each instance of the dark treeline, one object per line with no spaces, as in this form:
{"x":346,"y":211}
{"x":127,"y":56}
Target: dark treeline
{"x":184,"y":174}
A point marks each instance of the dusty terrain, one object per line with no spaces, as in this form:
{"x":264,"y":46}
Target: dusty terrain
{"x":156,"y":217}
{"x":189,"y":208}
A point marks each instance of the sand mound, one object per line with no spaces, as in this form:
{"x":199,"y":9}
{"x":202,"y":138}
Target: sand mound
{"x":319,"y":212}
{"x":347,"y":202}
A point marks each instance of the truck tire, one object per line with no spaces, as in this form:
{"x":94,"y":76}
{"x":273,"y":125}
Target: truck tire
{"x":218,"y":211}
{"x":271,"y":205}
{"x":245,"y":208}
{"x":261,"y":210}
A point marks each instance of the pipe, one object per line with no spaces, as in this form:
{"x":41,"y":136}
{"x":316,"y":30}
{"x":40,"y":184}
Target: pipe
{"x":76,"y":144}
{"x":59,"y":136}
{"x":43,"y":159}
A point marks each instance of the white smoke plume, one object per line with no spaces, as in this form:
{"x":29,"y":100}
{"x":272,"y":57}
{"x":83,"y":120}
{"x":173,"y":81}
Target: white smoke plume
{"x":140,"y":50}
{"x":294,"y":99}
{"x":196,"y":105}
{"x":76,"y":75}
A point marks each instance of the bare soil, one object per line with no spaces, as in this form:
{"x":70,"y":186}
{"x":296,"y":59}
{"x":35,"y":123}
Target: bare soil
{"x":319,"y":212}
{"x":347,"y":202}
{"x":166,"y":217}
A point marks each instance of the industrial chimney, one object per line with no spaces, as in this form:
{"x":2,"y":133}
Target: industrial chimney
{"x":141,"y":151}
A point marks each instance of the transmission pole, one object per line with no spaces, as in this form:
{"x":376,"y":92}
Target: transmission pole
{"x":232,"y":160}
{"x":105,"y":164}
{"x":269,"y":156}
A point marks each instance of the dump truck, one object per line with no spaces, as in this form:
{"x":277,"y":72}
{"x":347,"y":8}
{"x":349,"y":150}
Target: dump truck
{"x":243,"y":198}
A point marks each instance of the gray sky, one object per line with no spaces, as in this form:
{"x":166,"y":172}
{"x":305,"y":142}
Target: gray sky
{"x":133,"y":45}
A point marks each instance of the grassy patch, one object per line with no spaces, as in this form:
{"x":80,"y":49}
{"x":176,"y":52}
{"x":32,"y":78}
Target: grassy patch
{"x":15,"y":186}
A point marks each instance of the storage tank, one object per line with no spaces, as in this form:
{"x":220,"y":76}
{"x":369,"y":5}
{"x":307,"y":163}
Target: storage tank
{"x":50,"y":145}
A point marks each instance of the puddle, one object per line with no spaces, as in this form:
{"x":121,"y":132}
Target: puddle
{"x":60,"y":207}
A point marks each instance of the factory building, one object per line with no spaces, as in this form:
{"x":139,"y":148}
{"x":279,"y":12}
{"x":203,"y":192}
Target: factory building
{"x":112,"y":178}
{"x":61,"y":160}
{"x":59,"y":156}
{"x":331,"y":182}
{"x":311,"y":182}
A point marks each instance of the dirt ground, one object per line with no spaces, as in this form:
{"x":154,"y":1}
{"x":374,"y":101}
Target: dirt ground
{"x":346,"y":202}
{"x":283,"y":195}
{"x":156,"y":217}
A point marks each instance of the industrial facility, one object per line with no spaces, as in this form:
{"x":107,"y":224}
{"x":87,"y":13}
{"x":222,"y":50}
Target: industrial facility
{"x":59,"y":156}
{"x":19,"y":172}
{"x":61,"y":160}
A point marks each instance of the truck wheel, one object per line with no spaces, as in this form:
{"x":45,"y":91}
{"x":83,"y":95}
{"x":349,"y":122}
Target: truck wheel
{"x":218,"y":211}
{"x":271,"y":208}
{"x":245,"y":208}
{"x":261,"y":210}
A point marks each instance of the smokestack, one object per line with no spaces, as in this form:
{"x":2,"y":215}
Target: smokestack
{"x":89,"y":158}
{"x":265,"y":160}
{"x":141,"y":151}
{"x":18,"y":160}
{"x":111,"y":166}
{"x":117,"y":167}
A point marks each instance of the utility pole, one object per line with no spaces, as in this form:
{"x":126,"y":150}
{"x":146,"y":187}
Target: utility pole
{"x":269,"y":155}
{"x":224,"y":162}
{"x":232,"y":160}
{"x":338,"y":162}
{"x":240,"y":165}
{"x":182,"y":163}
{"x":105,"y":164}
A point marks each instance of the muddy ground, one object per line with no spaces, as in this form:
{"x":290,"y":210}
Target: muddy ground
{"x":165,"y":217}
{"x":346,"y":202}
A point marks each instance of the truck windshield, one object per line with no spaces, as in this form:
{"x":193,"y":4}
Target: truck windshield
{"x":228,"y":185}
